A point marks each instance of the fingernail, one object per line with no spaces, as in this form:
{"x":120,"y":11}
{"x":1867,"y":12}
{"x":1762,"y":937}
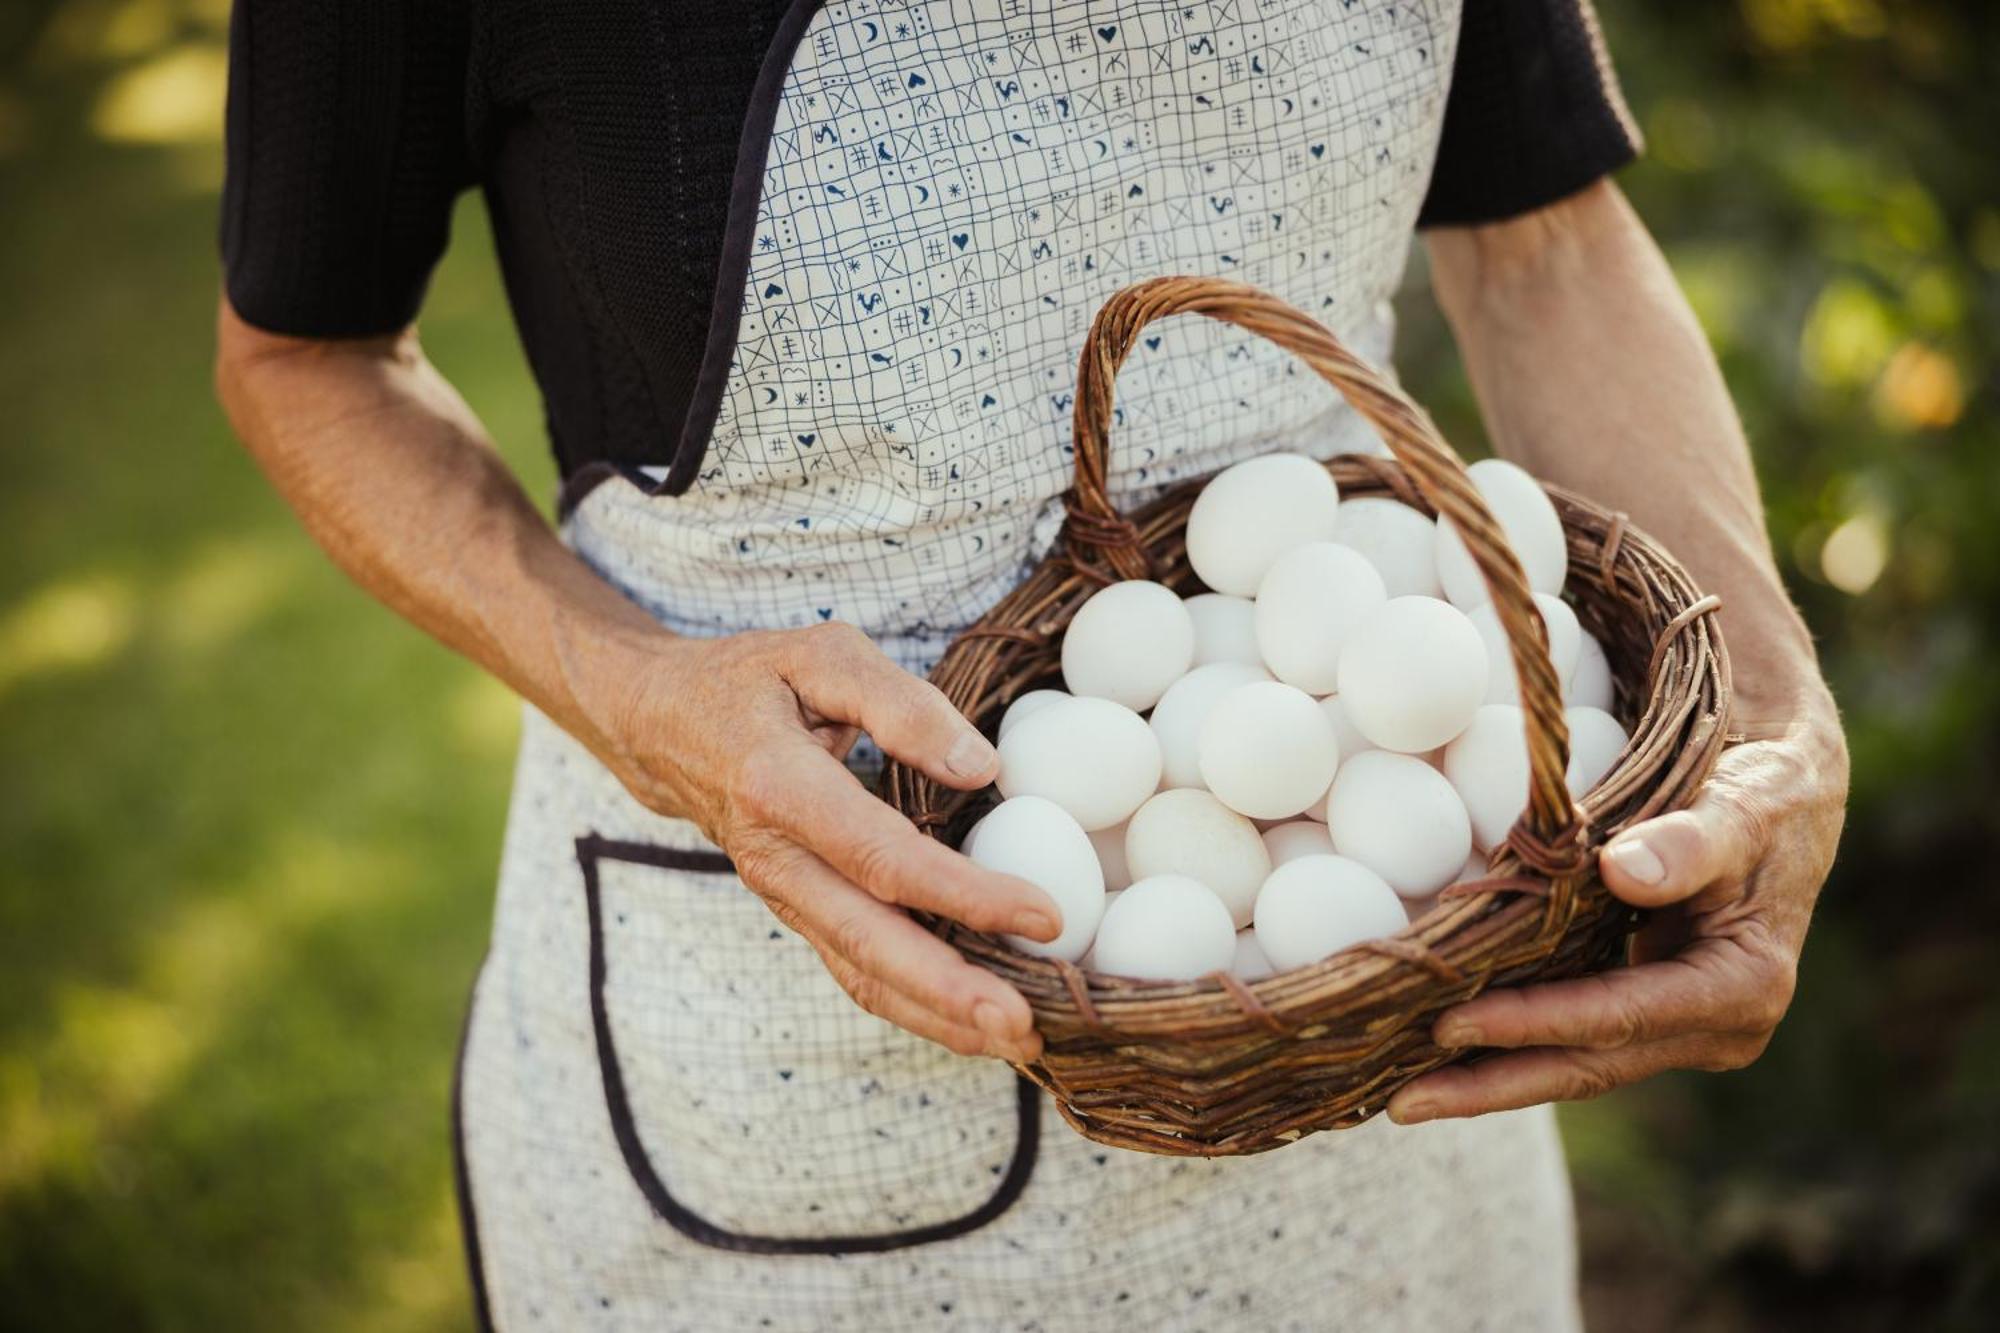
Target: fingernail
{"x":988,"y":1018}
{"x":1459,"y":1033}
{"x":1037,"y":925}
{"x":1414,"y":1111}
{"x":1635,"y":858}
{"x":971,"y":755}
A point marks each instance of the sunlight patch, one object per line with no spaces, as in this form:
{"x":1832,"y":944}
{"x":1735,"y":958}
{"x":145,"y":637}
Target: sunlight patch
{"x":69,"y":626}
{"x":174,"y":98}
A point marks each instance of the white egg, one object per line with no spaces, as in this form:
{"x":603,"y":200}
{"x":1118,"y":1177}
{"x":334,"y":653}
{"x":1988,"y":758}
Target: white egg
{"x":1565,"y":637}
{"x":1527,"y":517}
{"x":1475,"y":864}
{"x":1026,"y":705}
{"x":1250,"y":964}
{"x":1399,"y":541}
{"x":1307,"y":606}
{"x":1254,"y":512}
{"x":1166,"y":928}
{"x":1399,"y":817}
{"x":1225,"y":629}
{"x":1301,"y":837}
{"x":1488,"y":768}
{"x":1127,"y":644}
{"x":1314,"y":907}
{"x":1179,"y":716}
{"x":1413,"y":674}
{"x":1038,"y":841}
{"x":1109,"y":844}
{"x":1187,"y":832}
{"x":1595,"y":741}
{"x":1094,"y":758}
{"x":1590,"y":683}
{"x":1267,"y":750}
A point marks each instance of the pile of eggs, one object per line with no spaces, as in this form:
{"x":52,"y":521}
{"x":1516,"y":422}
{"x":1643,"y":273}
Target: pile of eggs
{"x":1255,"y":778}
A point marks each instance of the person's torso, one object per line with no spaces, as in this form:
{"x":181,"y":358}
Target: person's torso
{"x":948,"y":193}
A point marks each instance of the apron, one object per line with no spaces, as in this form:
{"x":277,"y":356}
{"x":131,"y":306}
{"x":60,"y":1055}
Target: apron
{"x":669,"y":1115}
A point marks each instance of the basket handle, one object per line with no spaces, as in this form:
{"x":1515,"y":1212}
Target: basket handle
{"x":1094,"y":522}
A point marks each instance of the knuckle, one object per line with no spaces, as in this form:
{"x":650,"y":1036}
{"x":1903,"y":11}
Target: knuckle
{"x":759,"y":785}
{"x":835,"y":638}
{"x":878,"y":863}
{"x":852,"y":938}
{"x":1590,"y":1079}
{"x":868,"y":992}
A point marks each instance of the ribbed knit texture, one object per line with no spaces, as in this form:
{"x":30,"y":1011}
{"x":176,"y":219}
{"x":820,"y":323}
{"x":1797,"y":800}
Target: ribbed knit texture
{"x":1535,"y":112}
{"x":606,"y":135}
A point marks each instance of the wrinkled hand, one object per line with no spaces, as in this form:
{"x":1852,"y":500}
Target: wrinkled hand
{"x":1730,"y":882}
{"x":745,"y":735}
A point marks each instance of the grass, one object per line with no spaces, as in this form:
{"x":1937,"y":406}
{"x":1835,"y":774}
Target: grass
{"x":250,"y":823}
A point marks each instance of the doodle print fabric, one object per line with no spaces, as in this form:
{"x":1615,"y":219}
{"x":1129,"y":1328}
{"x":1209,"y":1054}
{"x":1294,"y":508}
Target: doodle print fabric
{"x":670,"y":1115}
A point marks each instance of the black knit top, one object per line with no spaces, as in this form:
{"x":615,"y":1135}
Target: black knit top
{"x":620,"y":143}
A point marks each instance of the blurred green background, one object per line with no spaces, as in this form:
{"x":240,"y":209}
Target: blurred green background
{"x":249,"y":823}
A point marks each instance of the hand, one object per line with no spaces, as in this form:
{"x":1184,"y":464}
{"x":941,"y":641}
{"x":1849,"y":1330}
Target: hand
{"x":1730,"y":881}
{"x":745,"y":735}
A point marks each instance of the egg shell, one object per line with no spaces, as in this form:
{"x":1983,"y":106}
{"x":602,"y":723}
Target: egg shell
{"x":1314,"y":907}
{"x":1225,"y":629}
{"x":1127,"y":643}
{"x":1178,"y":718}
{"x":1250,"y":964}
{"x":1166,"y":928}
{"x":1267,"y":751}
{"x":1488,"y":768}
{"x":1529,"y":520}
{"x":1399,"y":541}
{"x":1565,"y":637}
{"x":1308,"y":604}
{"x":1475,"y":865}
{"x":1413,"y":674}
{"x":971,"y":835}
{"x":1399,"y":817}
{"x":1596,"y":739}
{"x":1301,"y":837}
{"x":1037,"y":840}
{"x":1094,"y":758}
{"x":1109,"y":843}
{"x":1254,"y":512}
{"x":1026,"y":705}
{"x":1590,"y":684}
{"x":1189,"y":832}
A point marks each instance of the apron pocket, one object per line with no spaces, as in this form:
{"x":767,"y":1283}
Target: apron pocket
{"x":757,"y":1107}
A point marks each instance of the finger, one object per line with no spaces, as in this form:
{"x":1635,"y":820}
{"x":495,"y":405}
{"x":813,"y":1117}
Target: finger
{"x":1692,"y":993}
{"x":844,"y":676}
{"x":1544,"y":1074}
{"x":894,"y":952}
{"x":892,"y":1005}
{"x":823,"y":807}
{"x":1676,"y":856}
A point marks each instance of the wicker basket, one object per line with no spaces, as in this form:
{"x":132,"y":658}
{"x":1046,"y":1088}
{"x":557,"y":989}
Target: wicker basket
{"x":1218,"y":1067}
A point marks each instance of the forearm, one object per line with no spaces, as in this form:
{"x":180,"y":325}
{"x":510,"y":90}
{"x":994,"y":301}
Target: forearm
{"x":393,"y":476}
{"x":1592,"y":372}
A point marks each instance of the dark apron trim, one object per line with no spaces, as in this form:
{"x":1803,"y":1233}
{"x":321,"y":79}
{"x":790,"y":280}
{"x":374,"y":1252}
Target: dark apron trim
{"x":590,"y":852}
{"x":746,"y":188}
{"x":461,"y":1176}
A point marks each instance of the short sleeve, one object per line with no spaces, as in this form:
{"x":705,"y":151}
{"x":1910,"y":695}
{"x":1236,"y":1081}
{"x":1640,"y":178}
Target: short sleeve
{"x":346,"y":150}
{"x":1534,"y":113}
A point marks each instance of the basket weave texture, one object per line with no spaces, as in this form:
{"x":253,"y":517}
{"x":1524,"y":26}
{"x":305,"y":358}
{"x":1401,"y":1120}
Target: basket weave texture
{"x":1220,"y":1067}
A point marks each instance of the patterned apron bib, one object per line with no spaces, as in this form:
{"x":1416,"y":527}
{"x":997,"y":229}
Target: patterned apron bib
{"x":669,"y":1114}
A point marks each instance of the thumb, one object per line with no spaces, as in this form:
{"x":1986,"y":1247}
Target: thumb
{"x":1676,"y":856}
{"x":845,"y":677}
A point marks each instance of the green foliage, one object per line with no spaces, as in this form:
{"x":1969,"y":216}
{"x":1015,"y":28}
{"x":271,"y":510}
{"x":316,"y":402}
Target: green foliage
{"x":249,"y":823}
